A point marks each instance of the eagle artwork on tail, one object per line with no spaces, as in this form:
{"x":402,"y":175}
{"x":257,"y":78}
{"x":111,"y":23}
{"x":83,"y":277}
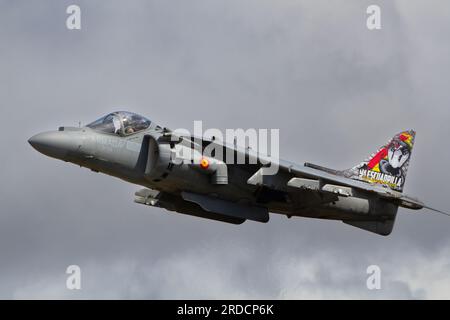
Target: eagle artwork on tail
{"x":388,"y":166}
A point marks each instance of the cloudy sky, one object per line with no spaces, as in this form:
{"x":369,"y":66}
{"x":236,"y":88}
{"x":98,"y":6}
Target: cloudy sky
{"x":336,"y":91}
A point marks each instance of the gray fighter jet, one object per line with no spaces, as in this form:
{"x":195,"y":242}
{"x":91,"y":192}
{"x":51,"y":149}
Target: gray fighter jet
{"x":134,"y":149}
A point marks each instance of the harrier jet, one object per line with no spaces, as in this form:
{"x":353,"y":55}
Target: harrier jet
{"x":134,"y":149}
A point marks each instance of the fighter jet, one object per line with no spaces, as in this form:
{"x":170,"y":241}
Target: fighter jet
{"x":131,"y":147}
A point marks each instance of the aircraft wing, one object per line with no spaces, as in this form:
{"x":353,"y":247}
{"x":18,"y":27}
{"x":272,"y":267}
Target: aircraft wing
{"x":318,"y":179}
{"x":328,"y":181}
{"x":323,"y":179}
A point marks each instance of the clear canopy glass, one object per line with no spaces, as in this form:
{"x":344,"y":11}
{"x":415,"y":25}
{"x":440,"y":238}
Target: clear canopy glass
{"x":120,"y":123}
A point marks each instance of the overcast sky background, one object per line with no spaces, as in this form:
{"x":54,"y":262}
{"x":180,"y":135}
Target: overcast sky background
{"x":336,"y":91}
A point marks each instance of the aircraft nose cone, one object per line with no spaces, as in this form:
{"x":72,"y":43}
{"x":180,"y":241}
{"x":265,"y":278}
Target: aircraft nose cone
{"x":54,"y":144}
{"x":37,"y":141}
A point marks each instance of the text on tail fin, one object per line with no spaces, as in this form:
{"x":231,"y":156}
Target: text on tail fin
{"x":389,"y":165}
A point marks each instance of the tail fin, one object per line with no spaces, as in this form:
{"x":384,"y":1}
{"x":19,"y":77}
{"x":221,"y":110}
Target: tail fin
{"x":389,"y":165}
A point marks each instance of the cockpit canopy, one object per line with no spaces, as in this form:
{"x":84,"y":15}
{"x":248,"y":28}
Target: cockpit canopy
{"x":120,"y":123}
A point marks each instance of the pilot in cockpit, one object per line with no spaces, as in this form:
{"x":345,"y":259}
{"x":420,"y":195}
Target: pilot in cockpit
{"x":128,"y":126}
{"x":120,"y":122}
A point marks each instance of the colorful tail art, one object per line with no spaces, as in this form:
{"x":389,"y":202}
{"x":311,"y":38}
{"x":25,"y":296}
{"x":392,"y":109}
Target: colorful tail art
{"x":388,"y":166}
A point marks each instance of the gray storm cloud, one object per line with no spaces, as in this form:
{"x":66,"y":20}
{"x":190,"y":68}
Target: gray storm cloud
{"x":336,"y":91}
